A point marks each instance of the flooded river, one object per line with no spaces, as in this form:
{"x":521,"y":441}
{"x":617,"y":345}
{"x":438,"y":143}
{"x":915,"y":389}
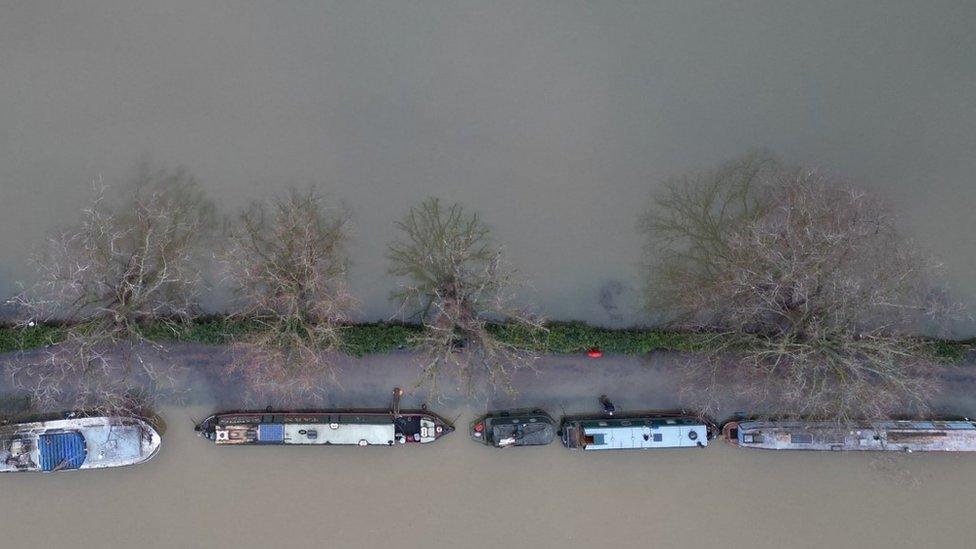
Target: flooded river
{"x":554,"y":119}
{"x":455,"y":493}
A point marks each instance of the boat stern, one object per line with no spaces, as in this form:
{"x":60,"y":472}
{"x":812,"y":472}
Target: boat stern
{"x":730,"y":433}
{"x":478,"y":430}
{"x":207,"y":427}
{"x":568,"y":434}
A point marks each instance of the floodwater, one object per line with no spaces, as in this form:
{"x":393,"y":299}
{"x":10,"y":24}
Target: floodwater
{"x":554,"y":119}
{"x":456,"y":493}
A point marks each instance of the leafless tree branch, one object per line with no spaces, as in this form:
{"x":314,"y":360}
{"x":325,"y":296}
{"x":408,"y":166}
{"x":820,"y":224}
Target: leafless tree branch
{"x":129,"y":262}
{"x":456,"y":282}
{"x":815,"y":301}
{"x":287,"y":263}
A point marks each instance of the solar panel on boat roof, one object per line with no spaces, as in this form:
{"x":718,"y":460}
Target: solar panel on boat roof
{"x":271,"y":432}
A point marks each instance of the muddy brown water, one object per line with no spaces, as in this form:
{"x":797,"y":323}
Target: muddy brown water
{"x":455,"y":493}
{"x":555,"y":120}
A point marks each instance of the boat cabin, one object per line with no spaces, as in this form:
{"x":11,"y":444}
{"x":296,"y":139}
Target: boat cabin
{"x":902,"y":436}
{"x":324,"y":428}
{"x":507,"y":429}
{"x":76,"y":443}
{"x":634,"y":433}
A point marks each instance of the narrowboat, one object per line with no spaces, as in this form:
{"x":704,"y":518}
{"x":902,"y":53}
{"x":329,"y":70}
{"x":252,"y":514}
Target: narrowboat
{"x":636,"y":432}
{"x":326,"y":427}
{"x":510,"y":428}
{"x":76,"y":443}
{"x":887,"y":435}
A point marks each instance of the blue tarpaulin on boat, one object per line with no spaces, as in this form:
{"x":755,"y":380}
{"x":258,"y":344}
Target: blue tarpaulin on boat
{"x":271,"y":432}
{"x":62,"y":451}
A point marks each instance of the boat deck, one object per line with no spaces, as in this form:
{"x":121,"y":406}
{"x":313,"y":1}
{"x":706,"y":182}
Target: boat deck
{"x":323,"y":428}
{"x":902,"y":436}
{"x":634,"y":433}
{"x":79,"y":443}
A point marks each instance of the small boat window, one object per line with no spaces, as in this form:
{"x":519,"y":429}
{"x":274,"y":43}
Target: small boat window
{"x":625,"y":423}
{"x":801,"y":438}
{"x":658,"y":437}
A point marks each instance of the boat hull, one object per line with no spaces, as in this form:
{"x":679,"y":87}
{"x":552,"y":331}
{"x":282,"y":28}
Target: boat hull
{"x":513,"y":428}
{"x":78,"y":443}
{"x":879,"y":436}
{"x":328,"y":428}
{"x":635,"y":432}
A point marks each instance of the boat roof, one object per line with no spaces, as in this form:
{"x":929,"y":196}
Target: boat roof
{"x":62,"y":450}
{"x":522,"y":434}
{"x":617,"y":437}
{"x":308,"y":433}
{"x":76,"y":443}
{"x":887,"y":424}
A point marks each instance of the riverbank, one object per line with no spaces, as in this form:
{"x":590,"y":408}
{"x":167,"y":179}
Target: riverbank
{"x":568,"y":383}
{"x":379,"y":338}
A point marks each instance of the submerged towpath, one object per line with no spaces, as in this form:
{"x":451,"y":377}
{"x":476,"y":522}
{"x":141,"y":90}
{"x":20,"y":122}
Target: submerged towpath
{"x":558,"y":383}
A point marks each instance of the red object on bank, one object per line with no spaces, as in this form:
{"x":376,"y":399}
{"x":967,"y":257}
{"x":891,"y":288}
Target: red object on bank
{"x":594,"y":352}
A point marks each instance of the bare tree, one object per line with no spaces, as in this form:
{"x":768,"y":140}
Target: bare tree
{"x":288,"y":266}
{"x":814,"y":300}
{"x":129,"y":262}
{"x":458,"y":285}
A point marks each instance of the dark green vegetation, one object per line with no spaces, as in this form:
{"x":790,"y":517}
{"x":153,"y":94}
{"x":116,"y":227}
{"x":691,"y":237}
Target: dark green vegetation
{"x":364,"y":339}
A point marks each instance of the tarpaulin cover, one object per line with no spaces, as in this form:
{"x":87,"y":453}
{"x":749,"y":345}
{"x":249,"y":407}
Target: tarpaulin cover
{"x":62,"y":451}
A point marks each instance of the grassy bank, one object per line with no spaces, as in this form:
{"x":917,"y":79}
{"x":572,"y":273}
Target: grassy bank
{"x":364,"y":339}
